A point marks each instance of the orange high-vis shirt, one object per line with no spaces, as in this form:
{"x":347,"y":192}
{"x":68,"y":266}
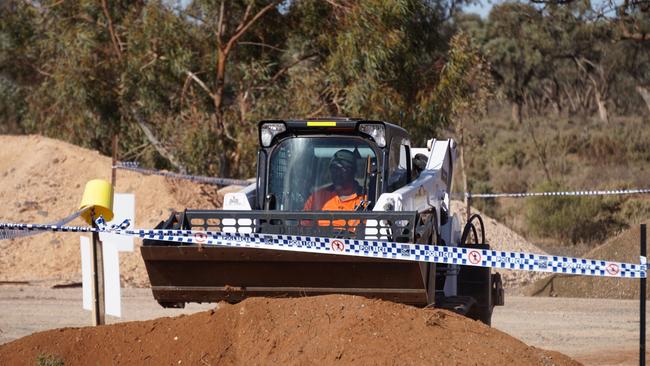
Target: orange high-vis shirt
{"x":326,"y":199}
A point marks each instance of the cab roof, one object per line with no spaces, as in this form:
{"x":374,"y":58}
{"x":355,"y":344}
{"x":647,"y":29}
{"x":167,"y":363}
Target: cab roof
{"x":332,"y":125}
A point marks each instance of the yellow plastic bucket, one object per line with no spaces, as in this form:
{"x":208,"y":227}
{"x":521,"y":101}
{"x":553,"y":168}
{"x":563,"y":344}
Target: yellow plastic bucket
{"x":98,"y":194}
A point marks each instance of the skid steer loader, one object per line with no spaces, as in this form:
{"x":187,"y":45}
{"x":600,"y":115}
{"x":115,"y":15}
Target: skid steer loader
{"x":402,"y":194}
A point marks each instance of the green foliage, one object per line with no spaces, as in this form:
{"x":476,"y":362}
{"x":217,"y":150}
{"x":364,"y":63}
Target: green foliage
{"x":634,"y":211}
{"x":49,"y":360}
{"x":12,"y":106}
{"x":572,"y":219}
{"x":465,"y":85}
{"x":503,"y":160}
{"x":516,"y":46}
{"x":16,"y":32}
{"x":83,"y":71}
{"x":565,"y":59}
{"x":379,"y":59}
{"x":510,"y":154}
{"x":488,"y":206}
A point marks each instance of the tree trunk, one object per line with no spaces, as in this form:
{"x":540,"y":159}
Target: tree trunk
{"x":602,"y":108}
{"x":242,"y":100}
{"x":464,"y":172}
{"x":217,"y":101}
{"x":219,"y":123}
{"x":572,"y":105}
{"x":645,"y":94}
{"x":462,"y":163}
{"x":541,"y":152}
{"x":585,"y":100}
{"x":516,"y":111}
{"x":556,"y":99}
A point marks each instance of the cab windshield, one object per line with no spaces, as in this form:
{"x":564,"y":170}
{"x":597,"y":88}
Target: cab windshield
{"x":301,"y":167}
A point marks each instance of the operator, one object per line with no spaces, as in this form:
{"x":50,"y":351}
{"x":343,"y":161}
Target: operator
{"x":345,"y":194}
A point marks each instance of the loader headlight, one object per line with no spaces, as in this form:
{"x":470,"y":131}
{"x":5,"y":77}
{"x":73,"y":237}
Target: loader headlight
{"x":376,"y":131}
{"x":269,"y":130}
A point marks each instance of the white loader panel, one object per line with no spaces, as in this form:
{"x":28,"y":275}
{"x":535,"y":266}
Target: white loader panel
{"x":430,"y":190}
{"x":237,"y":201}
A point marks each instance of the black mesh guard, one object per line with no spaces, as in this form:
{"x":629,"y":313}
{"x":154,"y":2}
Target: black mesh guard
{"x":390,"y":226}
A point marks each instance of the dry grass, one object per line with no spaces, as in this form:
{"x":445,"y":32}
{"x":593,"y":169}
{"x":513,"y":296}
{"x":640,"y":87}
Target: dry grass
{"x":578,"y":154}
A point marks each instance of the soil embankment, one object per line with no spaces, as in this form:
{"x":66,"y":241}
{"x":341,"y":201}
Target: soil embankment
{"x":621,"y":248}
{"x":43,"y":181}
{"x":311,"y":330}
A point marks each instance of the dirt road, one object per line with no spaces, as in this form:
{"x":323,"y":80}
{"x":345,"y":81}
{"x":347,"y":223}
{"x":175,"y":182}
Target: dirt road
{"x":595,"y":332}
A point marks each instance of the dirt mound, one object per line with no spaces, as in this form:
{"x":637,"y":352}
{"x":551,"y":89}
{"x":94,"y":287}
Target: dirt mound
{"x":500,"y":237}
{"x":622,"y":248}
{"x":313,"y":330}
{"x":43,"y":181}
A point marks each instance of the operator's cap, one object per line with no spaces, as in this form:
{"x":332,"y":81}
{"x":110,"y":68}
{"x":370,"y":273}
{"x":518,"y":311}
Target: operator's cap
{"x":344,"y":159}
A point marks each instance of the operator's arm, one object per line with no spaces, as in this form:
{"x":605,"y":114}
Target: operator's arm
{"x":309,"y":203}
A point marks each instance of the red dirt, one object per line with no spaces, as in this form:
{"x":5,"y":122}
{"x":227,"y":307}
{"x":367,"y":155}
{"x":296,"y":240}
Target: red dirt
{"x":43,"y":180}
{"x":313,"y":330}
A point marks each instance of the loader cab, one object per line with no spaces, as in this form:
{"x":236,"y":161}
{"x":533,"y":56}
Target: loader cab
{"x":295,"y":157}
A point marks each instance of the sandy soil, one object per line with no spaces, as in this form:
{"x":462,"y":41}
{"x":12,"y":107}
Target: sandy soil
{"x":43,"y":181}
{"x":623,"y":247}
{"x":500,"y":237}
{"x":320,"y":330}
{"x":594,"y":332}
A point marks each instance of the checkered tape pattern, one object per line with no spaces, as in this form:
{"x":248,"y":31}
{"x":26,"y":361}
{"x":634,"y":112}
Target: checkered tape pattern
{"x":29,"y":230}
{"x":37,"y":228}
{"x":466,"y":256}
{"x":402,"y":251}
{"x":561,"y":193}
{"x":132,"y":166}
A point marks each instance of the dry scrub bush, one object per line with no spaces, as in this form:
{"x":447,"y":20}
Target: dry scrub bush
{"x":572,"y":219}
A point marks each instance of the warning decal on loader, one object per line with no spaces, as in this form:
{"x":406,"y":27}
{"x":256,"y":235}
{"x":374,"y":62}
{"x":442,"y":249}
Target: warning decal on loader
{"x":474,"y":257}
{"x":200,"y":237}
{"x":338,"y":246}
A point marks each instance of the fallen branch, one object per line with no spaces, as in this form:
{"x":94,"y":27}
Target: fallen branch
{"x":645,"y":94}
{"x":158,"y":145}
{"x":200,"y":82}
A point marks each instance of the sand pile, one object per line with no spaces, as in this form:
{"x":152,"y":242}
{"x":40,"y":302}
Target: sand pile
{"x":314,"y":330}
{"x":43,"y":181}
{"x":500,"y":237}
{"x":622,"y":248}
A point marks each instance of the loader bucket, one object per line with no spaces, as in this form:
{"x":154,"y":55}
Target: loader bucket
{"x":181,"y":273}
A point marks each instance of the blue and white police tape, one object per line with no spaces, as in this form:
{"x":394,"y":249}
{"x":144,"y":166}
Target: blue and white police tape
{"x":556,"y":194}
{"x":465,"y":256}
{"x":33,"y":229}
{"x":18,"y":233}
{"x":196,"y":178}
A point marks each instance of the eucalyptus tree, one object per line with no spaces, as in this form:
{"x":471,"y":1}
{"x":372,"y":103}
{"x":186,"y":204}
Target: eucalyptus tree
{"x":517,"y":48}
